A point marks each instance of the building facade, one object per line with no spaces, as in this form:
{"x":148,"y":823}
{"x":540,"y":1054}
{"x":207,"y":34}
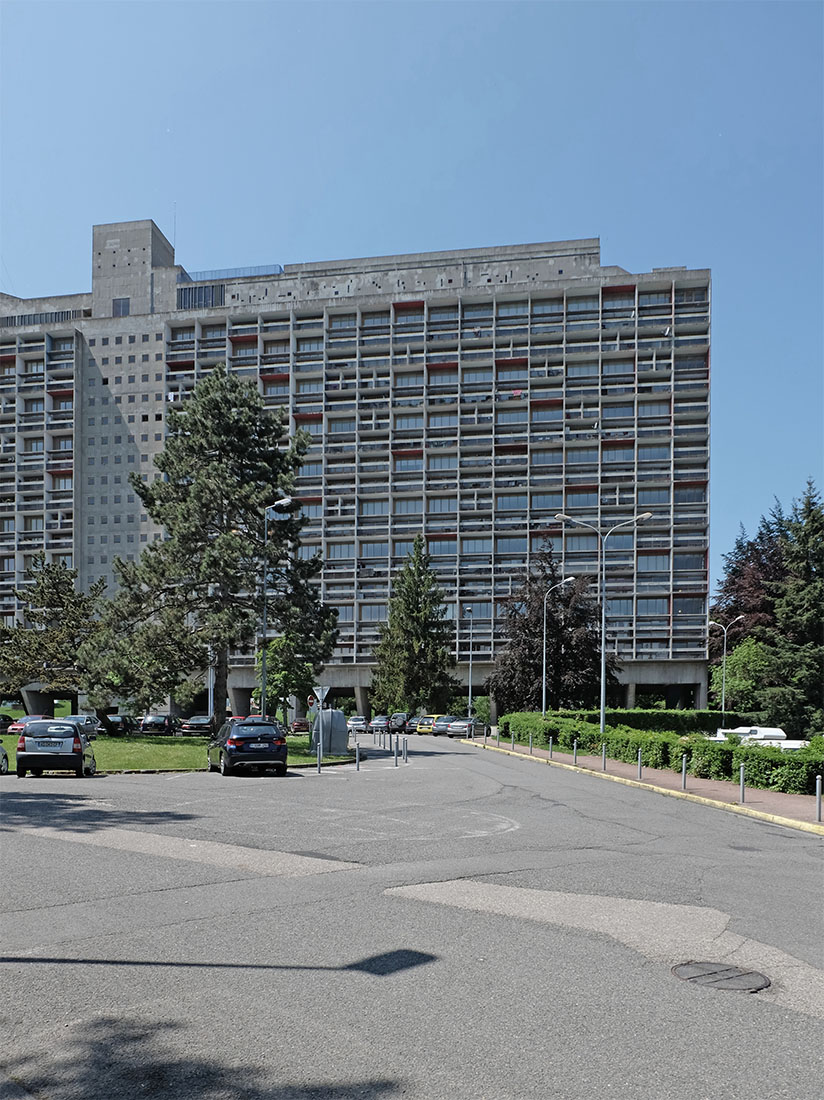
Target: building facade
{"x":471,"y":396}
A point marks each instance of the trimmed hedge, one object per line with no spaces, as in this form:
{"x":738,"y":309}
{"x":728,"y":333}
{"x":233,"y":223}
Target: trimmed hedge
{"x":679,"y":721}
{"x":765,"y":767}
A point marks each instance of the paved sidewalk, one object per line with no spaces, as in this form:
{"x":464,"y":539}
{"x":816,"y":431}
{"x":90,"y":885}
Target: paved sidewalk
{"x":796,"y":810}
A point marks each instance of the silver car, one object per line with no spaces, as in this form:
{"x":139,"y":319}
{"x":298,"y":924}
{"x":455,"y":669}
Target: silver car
{"x":53,"y":744}
{"x":466,"y":727}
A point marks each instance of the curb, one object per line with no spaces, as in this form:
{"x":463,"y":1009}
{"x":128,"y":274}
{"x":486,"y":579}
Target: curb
{"x":686,"y":796}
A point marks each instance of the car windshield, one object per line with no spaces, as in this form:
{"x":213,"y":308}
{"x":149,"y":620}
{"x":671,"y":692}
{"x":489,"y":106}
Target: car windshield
{"x":254,"y":730}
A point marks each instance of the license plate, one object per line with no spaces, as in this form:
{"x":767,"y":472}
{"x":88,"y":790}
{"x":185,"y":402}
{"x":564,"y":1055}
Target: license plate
{"x":49,"y":744}
{"x":258,"y":745}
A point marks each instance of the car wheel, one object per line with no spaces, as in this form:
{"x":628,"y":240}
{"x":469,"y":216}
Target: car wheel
{"x":4,"y":765}
{"x":280,"y":770}
{"x":211,"y":767}
{"x":37,"y":772}
{"x":21,"y":773}
{"x":92,"y":768}
{"x":225,"y":766}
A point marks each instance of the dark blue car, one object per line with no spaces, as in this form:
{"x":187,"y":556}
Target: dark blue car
{"x":248,"y":744}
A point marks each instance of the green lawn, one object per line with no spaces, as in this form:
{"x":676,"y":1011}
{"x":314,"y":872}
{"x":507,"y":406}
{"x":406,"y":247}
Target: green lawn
{"x":139,"y":753}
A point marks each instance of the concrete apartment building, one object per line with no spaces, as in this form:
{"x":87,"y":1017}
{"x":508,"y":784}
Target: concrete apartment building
{"x":467,"y":395}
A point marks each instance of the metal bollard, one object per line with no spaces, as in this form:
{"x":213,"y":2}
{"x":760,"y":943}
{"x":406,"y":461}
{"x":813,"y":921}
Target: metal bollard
{"x":683,"y":771}
{"x":603,"y":756}
{"x":357,"y":757}
{"x":818,"y":798}
{"x":485,"y":733}
{"x":741,"y":783}
{"x":550,"y":747}
{"x":499,"y":736}
{"x":575,"y":751}
{"x":640,"y":765}
{"x":406,"y":750}
{"x":530,"y":744}
{"x":512,"y":740}
{"x":396,"y":750}
{"x":320,"y":755}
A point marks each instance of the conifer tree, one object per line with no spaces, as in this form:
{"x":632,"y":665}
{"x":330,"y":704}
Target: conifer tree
{"x":196,"y":594}
{"x":416,"y":647}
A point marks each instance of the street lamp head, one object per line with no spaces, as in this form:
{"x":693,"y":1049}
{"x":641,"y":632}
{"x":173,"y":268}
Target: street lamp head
{"x":468,"y":612}
{"x":562,"y":516}
{"x":643,"y":516}
{"x":736,"y":619}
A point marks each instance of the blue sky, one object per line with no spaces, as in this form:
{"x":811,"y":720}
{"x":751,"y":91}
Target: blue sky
{"x":679,"y":133}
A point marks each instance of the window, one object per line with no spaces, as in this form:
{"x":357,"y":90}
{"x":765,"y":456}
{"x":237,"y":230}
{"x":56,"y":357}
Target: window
{"x":582,"y":370}
{"x":342,"y":320}
{"x":653,"y":408}
{"x":581,"y":543}
{"x":402,"y":547}
{"x":407,"y":506}
{"x":442,"y":504}
{"x":691,"y":294}
{"x":482,"y":374}
{"x":201,"y":297}
{"x":374,"y":549}
{"x":340,"y":550}
{"x":312,"y":511}
{"x":619,"y":607}
{"x":34,"y":405}
{"x":688,"y":605}
{"x":691,"y":494}
{"x":407,"y":464}
{"x":404,"y":423}
{"x":588,"y":499}
{"x":312,"y":344}
{"x":442,"y":546}
{"x":653,"y":453}
{"x":342,"y":425}
{"x":33,"y":446}
{"x":582,"y":454}
{"x":373,"y":320}
{"x":513,"y":309}
{"x":120,"y":307}
{"x":654,"y":298}
{"x":511,"y":545}
{"x":511,"y":502}
{"x":443,"y":462}
{"x":33,"y":523}
{"x":443,"y":420}
{"x":372,"y":612}
{"x":547,"y":458}
{"x":542,"y":413}
{"x":618,"y":454}
{"x":614,"y":412}
{"x":62,"y":481}
{"x":547,"y":500}
{"x":549,"y":307}
{"x":510,"y":416}
{"x":412,"y":379}
{"x":311,"y":469}
{"x":443,"y":378}
{"x":653,"y":563}
{"x":374,"y":507}
{"x":688,"y":561}
{"x":346,"y":613}
{"x":582,"y":305}
{"x":476,"y":546}
{"x":653,"y":606}
{"x":653,"y":496}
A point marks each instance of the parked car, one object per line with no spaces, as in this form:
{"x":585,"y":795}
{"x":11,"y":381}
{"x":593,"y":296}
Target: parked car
{"x":357,"y":723}
{"x":19,"y":724}
{"x":53,"y":744}
{"x":123,"y":723}
{"x":88,"y":722}
{"x":5,"y":721}
{"x":426,"y":722}
{"x":441,"y":724}
{"x":379,"y":724}
{"x":198,"y":724}
{"x":251,"y":744}
{"x":4,"y":761}
{"x":301,"y":725}
{"x":397,"y":722}
{"x":466,"y":727}
{"x":412,"y":723}
{"x":159,"y":723}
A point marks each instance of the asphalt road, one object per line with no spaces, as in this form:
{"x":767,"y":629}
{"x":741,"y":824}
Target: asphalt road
{"x":468,"y":926}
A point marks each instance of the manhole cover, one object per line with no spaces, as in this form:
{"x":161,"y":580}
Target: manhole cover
{"x":719,"y":976}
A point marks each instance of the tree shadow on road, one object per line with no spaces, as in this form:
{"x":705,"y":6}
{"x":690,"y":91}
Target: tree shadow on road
{"x":77,"y":812}
{"x":118,"y":1059}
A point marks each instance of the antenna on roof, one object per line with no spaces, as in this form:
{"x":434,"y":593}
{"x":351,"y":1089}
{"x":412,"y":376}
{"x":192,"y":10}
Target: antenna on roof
{"x":174,"y":225}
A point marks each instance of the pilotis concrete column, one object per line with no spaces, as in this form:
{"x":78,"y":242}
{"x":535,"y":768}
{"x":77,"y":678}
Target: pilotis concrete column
{"x":362,"y":702}
{"x":37,"y":702}
{"x":630,"y":695}
{"x":240,"y":700}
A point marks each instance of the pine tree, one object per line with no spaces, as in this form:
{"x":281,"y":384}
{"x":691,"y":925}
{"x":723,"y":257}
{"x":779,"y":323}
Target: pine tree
{"x":573,"y":660}
{"x":59,"y":620}
{"x":415,"y":651}
{"x":196,"y":594}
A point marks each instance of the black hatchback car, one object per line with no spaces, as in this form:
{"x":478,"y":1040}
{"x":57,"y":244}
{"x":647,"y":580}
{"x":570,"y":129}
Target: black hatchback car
{"x":247,"y":744}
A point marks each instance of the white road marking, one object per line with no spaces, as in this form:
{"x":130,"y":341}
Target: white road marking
{"x":660,"y":931}
{"x":255,"y":860}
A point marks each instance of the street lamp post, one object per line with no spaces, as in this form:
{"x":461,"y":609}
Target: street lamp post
{"x":603,"y":536}
{"x":560,"y":584}
{"x":278,"y":504}
{"x":468,"y":613}
{"x":721,"y":626}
